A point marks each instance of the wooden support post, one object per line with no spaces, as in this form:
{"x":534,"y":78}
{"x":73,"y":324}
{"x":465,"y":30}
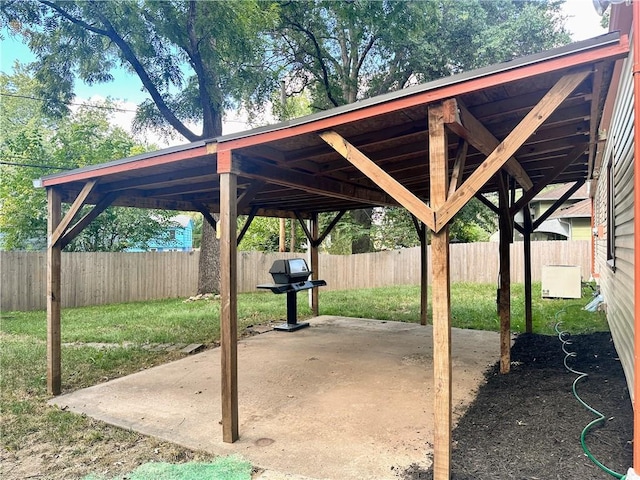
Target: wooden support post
{"x":54,"y":256}
{"x":421,"y":230}
{"x":424,"y":276}
{"x":441,"y":300}
{"x":315,"y":264}
{"x":528,"y":298}
{"x":504,"y":295}
{"x":229,"y":306}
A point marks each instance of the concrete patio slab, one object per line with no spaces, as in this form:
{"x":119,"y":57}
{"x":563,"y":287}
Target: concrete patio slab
{"x":343,"y":399}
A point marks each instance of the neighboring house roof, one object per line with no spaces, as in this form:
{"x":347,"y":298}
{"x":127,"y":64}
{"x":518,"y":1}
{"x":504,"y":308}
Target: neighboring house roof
{"x":582,"y":209}
{"x":558,"y":192}
{"x":182,"y":220}
{"x":554,"y":226}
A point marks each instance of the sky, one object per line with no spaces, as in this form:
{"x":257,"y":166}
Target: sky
{"x":582,"y":22}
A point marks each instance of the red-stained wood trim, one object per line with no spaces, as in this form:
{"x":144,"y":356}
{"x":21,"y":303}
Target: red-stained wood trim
{"x":127,"y":166}
{"x":225,"y":163}
{"x":556,"y":64}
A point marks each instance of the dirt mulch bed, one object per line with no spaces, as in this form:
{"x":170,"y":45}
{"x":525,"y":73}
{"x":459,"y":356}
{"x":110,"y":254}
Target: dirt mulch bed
{"x":527,"y":424}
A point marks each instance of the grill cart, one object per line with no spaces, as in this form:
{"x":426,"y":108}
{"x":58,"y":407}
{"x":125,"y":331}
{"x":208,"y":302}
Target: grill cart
{"x":291,"y":276}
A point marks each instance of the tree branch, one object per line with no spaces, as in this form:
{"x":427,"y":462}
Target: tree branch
{"x":74,"y":20}
{"x":319,"y":57}
{"x":111,"y":33}
{"x":208,"y":117}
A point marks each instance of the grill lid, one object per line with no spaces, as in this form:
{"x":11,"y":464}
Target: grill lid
{"x":289,"y":270}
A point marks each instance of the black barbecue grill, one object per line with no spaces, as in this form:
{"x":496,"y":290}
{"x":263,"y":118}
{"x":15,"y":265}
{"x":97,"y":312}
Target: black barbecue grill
{"x":290,"y":277}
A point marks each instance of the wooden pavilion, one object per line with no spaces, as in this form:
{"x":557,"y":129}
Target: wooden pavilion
{"x":431,"y":148}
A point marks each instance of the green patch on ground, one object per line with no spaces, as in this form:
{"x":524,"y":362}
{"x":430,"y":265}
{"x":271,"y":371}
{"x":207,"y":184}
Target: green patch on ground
{"x":222,"y":468}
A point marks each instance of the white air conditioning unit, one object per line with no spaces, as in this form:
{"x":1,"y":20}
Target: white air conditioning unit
{"x":561,"y":281}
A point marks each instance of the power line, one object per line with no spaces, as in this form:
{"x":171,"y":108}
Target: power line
{"x":47,"y":167}
{"x":103,"y":107}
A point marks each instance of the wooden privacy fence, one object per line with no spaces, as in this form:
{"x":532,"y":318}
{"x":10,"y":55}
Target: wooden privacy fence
{"x":102,"y":278}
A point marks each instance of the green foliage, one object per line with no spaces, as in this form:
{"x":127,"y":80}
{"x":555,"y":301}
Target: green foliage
{"x":294,"y":106}
{"x":36,"y":145}
{"x":393,"y":228}
{"x":193,"y":58}
{"x":345,"y":51}
{"x":264,"y":235}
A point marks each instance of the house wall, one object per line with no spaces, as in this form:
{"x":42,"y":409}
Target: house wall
{"x":581,"y":229}
{"x":182,"y":240}
{"x":617,"y":283}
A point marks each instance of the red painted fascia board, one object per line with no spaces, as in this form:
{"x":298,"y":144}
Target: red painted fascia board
{"x":111,"y":169}
{"x":561,"y":63}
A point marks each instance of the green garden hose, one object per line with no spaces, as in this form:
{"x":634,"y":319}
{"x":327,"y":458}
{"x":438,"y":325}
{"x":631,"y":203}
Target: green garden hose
{"x":600,"y":417}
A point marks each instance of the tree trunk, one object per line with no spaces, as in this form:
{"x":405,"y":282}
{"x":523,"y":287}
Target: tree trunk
{"x":209,"y":265}
{"x":362,"y":242}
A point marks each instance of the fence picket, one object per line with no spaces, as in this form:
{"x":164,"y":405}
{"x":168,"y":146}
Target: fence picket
{"x":99,"y":278}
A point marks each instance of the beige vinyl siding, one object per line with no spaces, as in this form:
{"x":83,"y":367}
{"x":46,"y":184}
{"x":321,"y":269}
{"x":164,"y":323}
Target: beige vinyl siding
{"x":618,"y":284}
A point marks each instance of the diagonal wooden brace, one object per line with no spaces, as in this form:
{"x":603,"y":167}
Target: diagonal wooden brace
{"x":381,"y":178}
{"x":73,"y":211}
{"x":505,"y":150}
{"x":460,"y":121}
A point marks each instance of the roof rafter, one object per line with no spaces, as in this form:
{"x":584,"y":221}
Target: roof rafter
{"x":310,"y":183}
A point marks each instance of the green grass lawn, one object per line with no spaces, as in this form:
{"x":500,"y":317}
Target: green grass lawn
{"x":131,"y":329}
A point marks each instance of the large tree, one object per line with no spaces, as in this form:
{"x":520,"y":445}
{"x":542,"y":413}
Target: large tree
{"x":346,"y":51}
{"x":33,"y":144}
{"x":193,"y":59}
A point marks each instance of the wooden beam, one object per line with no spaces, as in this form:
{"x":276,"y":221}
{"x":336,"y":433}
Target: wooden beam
{"x":424,"y":275}
{"x":560,"y":167}
{"x":528,"y":294}
{"x":54,"y":238}
{"x":504,"y":299}
{"x":314,"y":183}
{"x":558,"y":203}
{"x":460,"y":121}
{"x":596,"y":94}
{"x":381,"y":178}
{"x":330,"y":227}
{"x":505,"y":150}
{"x":282,"y":239}
{"x":229,"y":307}
{"x":303,"y":224}
{"x":80,"y":225}
{"x":206,"y":214}
{"x":247,"y":224}
{"x":458,"y":166}
{"x":494,"y":209}
{"x":441,"y":300}
{"x":488,"y":203}
{"x":54,"y":257}
{"x":421,"y":230}
{"x":249,"y":194}
{"x":157,"y":179}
